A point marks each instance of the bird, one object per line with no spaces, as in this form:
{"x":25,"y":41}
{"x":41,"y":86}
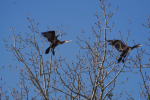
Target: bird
{"x":52,"y":38}
{"x":121,"y":47}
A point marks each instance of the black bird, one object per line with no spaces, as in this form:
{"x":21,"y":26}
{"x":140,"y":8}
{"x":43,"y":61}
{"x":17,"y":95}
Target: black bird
{"x":50,"y":35}
{"x":121,"y":47}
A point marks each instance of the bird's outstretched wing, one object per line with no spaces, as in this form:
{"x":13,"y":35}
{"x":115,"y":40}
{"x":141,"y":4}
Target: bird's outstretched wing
{"x":117,"y":44}
{"x":50,"y":35}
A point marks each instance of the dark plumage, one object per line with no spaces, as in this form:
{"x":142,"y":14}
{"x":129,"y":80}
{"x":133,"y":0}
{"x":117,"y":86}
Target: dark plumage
{"x":121,"y":47}
{"x":50,"y":35}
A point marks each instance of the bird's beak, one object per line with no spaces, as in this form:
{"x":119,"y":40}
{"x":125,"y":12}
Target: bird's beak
{"x":68,"y":41}
{"x":140,"y":45}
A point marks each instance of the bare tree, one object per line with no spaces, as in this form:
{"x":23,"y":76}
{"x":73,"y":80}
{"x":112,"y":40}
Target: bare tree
{"x":3,"y":93}
{"x":92,"y":77}
{"x":144,"y":85}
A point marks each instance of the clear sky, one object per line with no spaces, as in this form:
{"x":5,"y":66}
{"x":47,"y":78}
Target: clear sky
{"x":77,"y":15}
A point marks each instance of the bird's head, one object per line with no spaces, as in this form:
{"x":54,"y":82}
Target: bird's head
{"x":136,"y":46}
{"x":139,"y":45}
{"x":68,"y":41}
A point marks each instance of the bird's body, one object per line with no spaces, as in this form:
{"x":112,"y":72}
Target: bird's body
{"x":121,"y":47}
{"x":50,"y":35}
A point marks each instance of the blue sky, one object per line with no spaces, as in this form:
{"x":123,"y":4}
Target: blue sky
{"x":77,"y":15}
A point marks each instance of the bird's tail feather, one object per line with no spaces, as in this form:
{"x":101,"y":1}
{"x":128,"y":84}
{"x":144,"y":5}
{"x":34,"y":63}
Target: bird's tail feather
{"x":120,"y":58}
{"x":110,"y":42}
{"x":47,"y":50}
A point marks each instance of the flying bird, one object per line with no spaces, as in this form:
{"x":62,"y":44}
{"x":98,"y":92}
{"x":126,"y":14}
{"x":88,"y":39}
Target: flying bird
{"x":121,"y":47}
{"x":50,"y":35}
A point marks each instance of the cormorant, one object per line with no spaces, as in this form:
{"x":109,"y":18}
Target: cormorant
{"x":121,"y":47}
{"x":50,"y":35}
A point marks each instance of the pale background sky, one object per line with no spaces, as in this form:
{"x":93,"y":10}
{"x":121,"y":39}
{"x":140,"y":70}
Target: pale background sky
{"x":77,"y":15}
